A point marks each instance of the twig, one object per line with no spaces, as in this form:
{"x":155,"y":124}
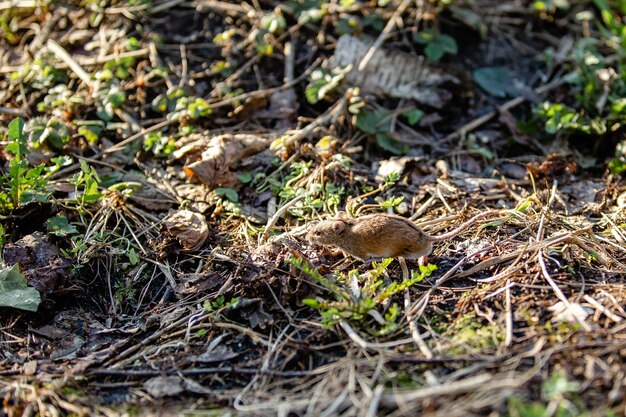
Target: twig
{"x":165,"y":6}
{"x":506,"y":106}
{"x":132,"y":373}
{"x":268,"y":91}
{"x":184,"y":66}
{"x":391,"y":23}
{"x":482,"y":382}
{"x":329,"y":117}
{"x":86,"y":62}
{"x":600,"y":307}
{"x":544,"y":269}
{"x":419,"y":341}
{"x":508,"y":318}
{"x":114,"y":148}
{"x":222,"y":6}
{"x":14,"y":112}
{"x":364,"y":344}
{"x":71,"y":63}
{"x":272,"y":221}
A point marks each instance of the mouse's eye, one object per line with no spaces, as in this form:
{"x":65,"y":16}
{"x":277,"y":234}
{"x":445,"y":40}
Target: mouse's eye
{"x":318,"y":233}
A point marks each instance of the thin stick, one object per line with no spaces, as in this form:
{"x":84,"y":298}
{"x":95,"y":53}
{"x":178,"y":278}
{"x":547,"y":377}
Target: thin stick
{"x":391,"y":23}
{"x":419,"y":341}
{"x":164,"y":6}
{"x":114,"y":148}
{"x":14,"y":112}
{"x":71,"y":63}
{"x":329,"y":117}
{"x":508,"y":338}
{"x":267,"y":91}
{"x":544,"y":269}
{"x":602,"y":309}
{"x":506,"y":106}
{"x":272,"y":221}
{"x":364,"y":344}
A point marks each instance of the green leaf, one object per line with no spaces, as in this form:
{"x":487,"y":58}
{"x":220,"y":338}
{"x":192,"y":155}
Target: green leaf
{"x":436,"y":44}
{"x":133,"y":257}
{"x":424,"y":37}
{"x":59,"y":226}
{"x":617,"y":166}
{"x":497,"y":81}
{"x":274,"y":23}
{"x":448,"y":44}
{"x":413,"y":116}
{"x":15,"y":292}
{"x":16,"y":129}
{"x":117,"y":99}
{"x":91,"y":132}
{"x":558,"y":385}
{"x":311,"y":302}
{"x":229,"y":193}
{"x":374,"y":122}
{"x":91,"y":192}
{"x":47,"y":132}
{"x":245,"y":177}
{"x":322,"y":82}
{"x":385,"y":141}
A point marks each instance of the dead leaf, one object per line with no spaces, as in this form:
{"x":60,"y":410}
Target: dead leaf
{"x":221,"y":155}
{"x":513,"y":170}
{"x":40,"y":262}
{"x":51,"y":332}
{"x":391,"y":166}
{"x":29,"y":368}
{"x":555,"y":165}
{"x":220,"y":353}
{"x":574,"y":313}
{"x":188,"y":227}
{"x":583,"y":194}
{"x":198,"y":283}
{"x":392,"y":73}
{"x":164,"y":386}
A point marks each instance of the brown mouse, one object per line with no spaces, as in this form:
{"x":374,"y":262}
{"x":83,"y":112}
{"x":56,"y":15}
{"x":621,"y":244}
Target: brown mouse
{"x":382,"y":235}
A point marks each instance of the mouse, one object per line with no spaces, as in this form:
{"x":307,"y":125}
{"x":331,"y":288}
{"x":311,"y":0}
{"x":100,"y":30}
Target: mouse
{"x":382,"y":235}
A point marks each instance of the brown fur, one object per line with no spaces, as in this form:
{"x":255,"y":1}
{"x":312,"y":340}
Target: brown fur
{"x":381,"y":235}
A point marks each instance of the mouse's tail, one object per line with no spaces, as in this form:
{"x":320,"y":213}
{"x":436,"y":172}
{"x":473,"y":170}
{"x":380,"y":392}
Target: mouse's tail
{"x":461,"y":228}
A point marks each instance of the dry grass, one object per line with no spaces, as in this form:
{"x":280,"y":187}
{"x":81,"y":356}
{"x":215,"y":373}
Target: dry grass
{"x":524,"y":312}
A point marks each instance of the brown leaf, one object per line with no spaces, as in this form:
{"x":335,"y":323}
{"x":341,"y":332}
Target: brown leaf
{"x":198,"y":283}
{"x":392,"y":73}
{"x":188,"y":227}
{"x":222,"y":154}
{"x":164,"y":386}
{"x":40,"y":261}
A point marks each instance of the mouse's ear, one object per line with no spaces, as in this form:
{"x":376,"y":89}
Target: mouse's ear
{"x":342,"y":215}
{"x":338,"y":226}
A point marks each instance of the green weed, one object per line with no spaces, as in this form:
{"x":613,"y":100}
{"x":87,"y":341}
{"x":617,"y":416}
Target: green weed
{"x":86,"y":183}
{"x":597,"y":80}
{"x":22,"y":184}
{"x":469,"y":332}
{"x":436,"y":44}
{"x":559,"y":398}
{"x":356,"y":297}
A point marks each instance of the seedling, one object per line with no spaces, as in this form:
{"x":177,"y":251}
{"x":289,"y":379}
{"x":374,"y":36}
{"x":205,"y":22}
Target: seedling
{"x":359,"y":297}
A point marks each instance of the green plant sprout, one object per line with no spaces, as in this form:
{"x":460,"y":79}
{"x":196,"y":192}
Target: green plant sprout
{"x":22,"y":184}
{"x":358,"y":296}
